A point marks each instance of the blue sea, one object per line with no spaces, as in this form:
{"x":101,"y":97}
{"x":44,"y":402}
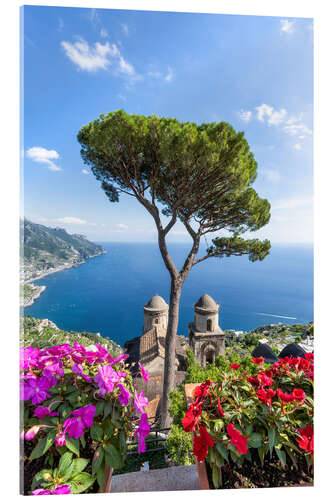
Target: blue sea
{"x":108,"y":292}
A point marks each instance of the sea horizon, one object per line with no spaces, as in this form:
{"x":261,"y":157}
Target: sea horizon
{"x":107,"y":293}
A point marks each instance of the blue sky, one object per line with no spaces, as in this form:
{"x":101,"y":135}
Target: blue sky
{"x":253,"y":72}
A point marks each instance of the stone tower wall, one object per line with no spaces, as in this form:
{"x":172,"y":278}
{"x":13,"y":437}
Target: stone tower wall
{"x":201,"y":321}
{"x":151,"y":319}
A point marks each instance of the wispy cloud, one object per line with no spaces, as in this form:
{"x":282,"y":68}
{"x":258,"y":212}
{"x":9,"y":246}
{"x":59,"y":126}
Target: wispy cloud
{"x":125,"y":29}
{"x":159,"y":75}
{"x":170,"y":75}
{"x":245,"y":116}
{"x":45,"y":156}
{"x":85,"y":171}
{"x":98,"y":57}
{"x":104,"y":33}
{"x":295,"y":126}
{"x":270,"y":115}
{"x":297,"y":146}
{"x":121,"y":227}
{"x":71,"y":220}
{"x":287,"y":26}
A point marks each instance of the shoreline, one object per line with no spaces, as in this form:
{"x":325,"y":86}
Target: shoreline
{"x":39,"y":290}
{"x":61,"y":268}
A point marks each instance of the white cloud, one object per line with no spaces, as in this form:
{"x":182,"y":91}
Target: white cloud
{"x":270,"y":175}
{"x":104,"y":33}
{"x":297,"y":146}
{"x":245,"y":115}
{"x":125,"y":29}
{"x":42,"y":155}
{"x":71,"y":220}
{"x":85,"y":171}
{"x":287,"y":26}
{"x":121,"y":227}
{"x":170,"y":75}
{"x":86,"y":57}
{"x":273,"y":117}
{"x":292,"y":125}
{"x":125,"y":67}
{"x":98,"y":56}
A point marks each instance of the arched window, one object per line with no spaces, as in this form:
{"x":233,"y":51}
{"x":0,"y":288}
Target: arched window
{"x":210,"y":356}
{"x":156,"y":321}
{"x":209,"y":325}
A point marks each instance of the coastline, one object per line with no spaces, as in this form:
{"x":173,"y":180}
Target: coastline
{"x":42,"y":288}
{"x":62,"y":268}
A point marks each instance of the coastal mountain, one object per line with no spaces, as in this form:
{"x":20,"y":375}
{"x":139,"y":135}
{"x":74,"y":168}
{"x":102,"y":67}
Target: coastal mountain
{"x":47,"y":250}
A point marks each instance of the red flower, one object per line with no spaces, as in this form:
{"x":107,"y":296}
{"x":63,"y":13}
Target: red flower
{"x":284,"y":396}
{"x":258,"y":361}
{"x":235,"y":366}
{"x":298,"y":394}
{"x":253,"y":381}
{"x":237,"y":439}
{"x":190,"y":421}
{"x":201,"y":444}
{"x":264,"y":380}
{"x":305,"y":441}
{"x":304,"y":364}
{"x":309,"y":356}
{"x":266,"y":396}
{"x":200,"y":392}
{"x":220,"y":407}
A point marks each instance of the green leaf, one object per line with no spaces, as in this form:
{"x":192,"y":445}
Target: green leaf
{"x":99,"y":408}
{"x":255,"y":440}
{"x":39,"y":478}
{"x":273,"y":438}
{"x":65,"y":462}
{"x":281,"y":454}
{"x":79,"y":465}
{"x":100,"y":477}
{"x":42,"y":446}
{"x":261,"y":453}
{"x":113,"y":457}
{"x":73,"y":445}
{"x":100,"y":460}
{"x":96,"y":432}
{"x":107,"y":409}
{"x":222,"y":450}
{"x":216,"y":476}
{"x":81,"y":482}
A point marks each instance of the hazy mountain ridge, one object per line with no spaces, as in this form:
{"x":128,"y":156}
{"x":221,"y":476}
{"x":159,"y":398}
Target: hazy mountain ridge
{"x":47,"y":250}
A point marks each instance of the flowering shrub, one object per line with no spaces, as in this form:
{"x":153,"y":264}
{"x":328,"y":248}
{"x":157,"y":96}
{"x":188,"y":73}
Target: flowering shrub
{"x":242,"y":417}
{"x":78,"y":399}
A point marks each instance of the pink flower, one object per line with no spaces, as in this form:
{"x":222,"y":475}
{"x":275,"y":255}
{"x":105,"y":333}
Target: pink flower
{"x":144,"y":373}
{"x":78,"y":369}
{"x":124,"y":395}
{"x":60,"y":439}
{"x":113,"y":360}
{"x":140,"y":401}
{"x":35,"y":389}
{"x":42,"y":411}
{"x":61,"y":490}
{"x":31,"y":433}
{"x":41,"y":491}
{"x":28,"y":358}
{"x":143,"y":431}
{"x":83,"y":418}
{"x":106,"y":378}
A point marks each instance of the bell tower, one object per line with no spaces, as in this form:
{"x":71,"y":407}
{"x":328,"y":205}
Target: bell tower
{"x":207,"y":340}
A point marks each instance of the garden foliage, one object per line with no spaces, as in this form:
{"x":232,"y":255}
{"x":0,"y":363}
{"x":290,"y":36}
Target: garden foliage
{"x":84,"y":402}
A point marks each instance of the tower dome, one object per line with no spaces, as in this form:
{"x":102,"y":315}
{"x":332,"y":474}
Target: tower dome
{"x":155,"y":314}
{"x":156,"y":303}
{"x":206,"y":304}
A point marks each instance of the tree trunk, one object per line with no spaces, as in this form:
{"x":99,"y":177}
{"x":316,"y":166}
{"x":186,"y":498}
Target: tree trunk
{"x":170,"y":350}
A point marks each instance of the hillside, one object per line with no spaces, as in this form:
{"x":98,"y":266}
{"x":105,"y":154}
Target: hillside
{"x":47,"y":250}
{"x":43,"y":333}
